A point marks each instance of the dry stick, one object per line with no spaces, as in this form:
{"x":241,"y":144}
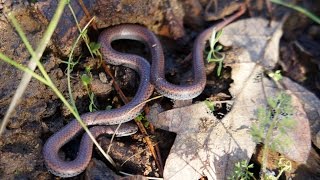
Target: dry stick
{"x":210,"y":15}
{"x":88,"y":15}
{"x":152,"y":129}
{"x":115,"y":84}
{"x":139,"y":124}
{"x":135,"y":154}
{"x":269,"y":9}
{"x":150,"y":145}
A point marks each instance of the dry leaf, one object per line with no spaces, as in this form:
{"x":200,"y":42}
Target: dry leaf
{"x":311,"y":105}
{"x":205,"y":146}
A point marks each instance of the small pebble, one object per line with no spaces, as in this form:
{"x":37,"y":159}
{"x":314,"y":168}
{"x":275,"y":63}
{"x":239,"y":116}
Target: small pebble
{"x":103,"y":77}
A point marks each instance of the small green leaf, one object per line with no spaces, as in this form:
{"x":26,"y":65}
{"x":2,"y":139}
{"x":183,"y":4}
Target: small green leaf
{"x":88,"y":69}
{"x":91,"y":107}
{"x":214,"y":55}
{"x":146,"y":124}
{"x":140,"y":117}
{"x":218,"y":48}
{"x":209,"y":104}
{"x":86,"y":80}
{"x":84,"y":33}
{"x":213,"y":38}
{"x":209,"y":57}
{"x":219,"y":33}
{"x":219,"y":69}
{"x":276,"y":76}
{"x":94,"y":47}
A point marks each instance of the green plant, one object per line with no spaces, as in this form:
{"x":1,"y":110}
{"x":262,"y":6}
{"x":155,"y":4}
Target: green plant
{"x":276,"y":76}
{"x":242,"y":171}
{"x":299,"y":9}
{"x":214,"y":54}
{"x":209,"y":104}
{"x":273,"y":124}
{"x":86,"y":81}
{"x":143,"y":119}
{"x":33,"y":1}
{"x":283,"y":166}
{"x":95,"y":49}
{"x":71,"y":63}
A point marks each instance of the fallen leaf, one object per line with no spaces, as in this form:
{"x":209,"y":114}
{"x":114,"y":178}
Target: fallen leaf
{"x":206,"y":146}
{"x":311,"y":105}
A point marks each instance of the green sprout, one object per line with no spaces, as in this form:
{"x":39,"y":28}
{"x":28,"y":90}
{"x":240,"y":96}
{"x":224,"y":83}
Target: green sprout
{"x":86,"y":81}
{"x":143,"y":119}
{"x":95,"y":48}
{"x":210,"y":104}
{"x":283,"y":166}
{"x":214,"y":54}
{"x":276,"y":76}
{"x":242,"y":171}
{"x":273,"y":124}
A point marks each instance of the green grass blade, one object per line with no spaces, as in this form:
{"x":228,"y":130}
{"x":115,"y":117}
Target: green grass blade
{"x":69,"y":63}
{"x":83,"y":35}
{"x":299,"y":9}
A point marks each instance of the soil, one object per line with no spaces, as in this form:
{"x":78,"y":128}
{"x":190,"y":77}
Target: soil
{"x":40,"y":113}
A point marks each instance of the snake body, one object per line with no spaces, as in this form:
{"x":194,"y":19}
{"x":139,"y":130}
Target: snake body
{"x":150,"y":78}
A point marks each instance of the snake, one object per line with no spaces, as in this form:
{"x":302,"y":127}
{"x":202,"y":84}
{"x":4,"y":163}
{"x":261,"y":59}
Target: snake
{"x":151,"y":77}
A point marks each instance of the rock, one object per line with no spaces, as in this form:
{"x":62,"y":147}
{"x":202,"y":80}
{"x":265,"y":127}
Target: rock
{"x":67,"y":30}
{"x":98,"y":170}
{"x":194,"y":18}
{"x":20,"y":147}
{"x":164,"y":18}
{"x":38,"y":102}
{"x":215,"y":9}
{"x":204,"y":146}
{"x":311,"y":169}
{"x":100,"y":88}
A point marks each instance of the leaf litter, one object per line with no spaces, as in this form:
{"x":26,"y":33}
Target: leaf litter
{"x":207,"y":146}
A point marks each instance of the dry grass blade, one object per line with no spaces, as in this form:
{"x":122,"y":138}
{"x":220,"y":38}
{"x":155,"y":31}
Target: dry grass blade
{"x":85,"y":10}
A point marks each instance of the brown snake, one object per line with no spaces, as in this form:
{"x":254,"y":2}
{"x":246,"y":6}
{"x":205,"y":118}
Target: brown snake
{"x":150,"y":77}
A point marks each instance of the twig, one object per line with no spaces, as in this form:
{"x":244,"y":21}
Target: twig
{"x":139,"y":124}
{"x":88,"y":15}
